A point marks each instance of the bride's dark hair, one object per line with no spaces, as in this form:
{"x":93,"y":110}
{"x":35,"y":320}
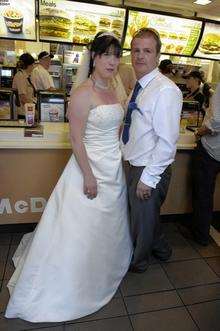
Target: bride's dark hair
{"x":102,"y":44}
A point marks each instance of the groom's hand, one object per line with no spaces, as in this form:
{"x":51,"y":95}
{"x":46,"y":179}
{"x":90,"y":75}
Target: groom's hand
{"x":143,"y":191}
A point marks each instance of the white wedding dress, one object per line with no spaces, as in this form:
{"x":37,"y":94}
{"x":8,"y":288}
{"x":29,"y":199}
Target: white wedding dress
{"x":74,"y":261}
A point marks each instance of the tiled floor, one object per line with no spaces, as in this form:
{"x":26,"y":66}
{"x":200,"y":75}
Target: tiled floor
{"x":182,"y":294}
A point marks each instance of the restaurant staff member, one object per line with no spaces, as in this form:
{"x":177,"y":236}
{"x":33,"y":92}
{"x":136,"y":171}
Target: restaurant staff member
{"x":165,"y":68}
{"x":40,"y":75}
{"x":193,"y":82}
{"x":23,"y":84}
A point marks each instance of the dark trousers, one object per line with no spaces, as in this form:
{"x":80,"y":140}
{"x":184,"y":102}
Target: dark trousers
{"x":205,"y":170}
{"x":145,"y":224}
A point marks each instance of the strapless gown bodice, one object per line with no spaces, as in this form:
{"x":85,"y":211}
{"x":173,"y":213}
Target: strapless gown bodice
{"x":103,"y":124}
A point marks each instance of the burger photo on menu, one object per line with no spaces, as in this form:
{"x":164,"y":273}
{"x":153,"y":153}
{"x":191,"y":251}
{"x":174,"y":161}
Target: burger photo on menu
{"x":117,"y":24}
{"x":210,"y":44}
{"x":104,"y":22}
{"x":55,"y":23}
{"x":117,"y":27}
{"x":82,"y":24}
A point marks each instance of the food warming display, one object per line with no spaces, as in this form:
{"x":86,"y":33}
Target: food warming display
{"x":209,"y":46}
{"x":178,"y":35}
{"x":6,"y":104}
{"x":17,"y":19}
{"x":52,"y":106}
{"x":191,"y":116}
{"x":6,"y":76}
{"x":67,"y":21}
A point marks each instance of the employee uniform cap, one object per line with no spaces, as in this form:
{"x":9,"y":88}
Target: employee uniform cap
{"x":164,"y":63}
{"x":195,"y":74}
{"x":45,"y":54}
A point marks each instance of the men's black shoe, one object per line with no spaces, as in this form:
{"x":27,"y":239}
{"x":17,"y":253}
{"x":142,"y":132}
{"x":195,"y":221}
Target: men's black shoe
{"x":137,"y":270}
{"x":190,"y":234}
{"x":163,"y":254}
{"x":200,"y":241}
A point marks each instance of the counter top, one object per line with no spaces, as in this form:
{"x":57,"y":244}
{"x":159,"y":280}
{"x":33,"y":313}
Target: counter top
{"x":186,"y":140}
{"x":56,"y":136}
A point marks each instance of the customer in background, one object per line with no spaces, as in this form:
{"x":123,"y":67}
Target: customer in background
{"x":23,"y":84}
{"x":165,"y":68}
{"x":206,"y":166}
{"x":40,"y":75}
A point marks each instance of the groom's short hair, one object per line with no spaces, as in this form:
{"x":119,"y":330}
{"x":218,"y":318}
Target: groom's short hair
{"x":149,"y":32}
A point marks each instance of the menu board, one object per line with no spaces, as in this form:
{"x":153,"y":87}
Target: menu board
{"x":67,"y":21}
{"x":209,"y":46}
{"x":178,"y":35}
{"x":17,"y":19}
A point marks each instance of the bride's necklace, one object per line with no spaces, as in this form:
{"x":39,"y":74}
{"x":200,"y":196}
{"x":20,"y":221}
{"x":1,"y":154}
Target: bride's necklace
{"x":99,"y":85}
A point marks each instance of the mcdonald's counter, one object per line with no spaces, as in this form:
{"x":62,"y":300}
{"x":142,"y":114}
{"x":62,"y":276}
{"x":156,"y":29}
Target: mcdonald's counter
{"x":31,"y":161}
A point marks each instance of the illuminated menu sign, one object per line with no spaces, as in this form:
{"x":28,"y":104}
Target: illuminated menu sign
{"x":17,"y":19}
{"x":178,"y":35}
{"x":67,"y":21}
{"x":209,"y":46}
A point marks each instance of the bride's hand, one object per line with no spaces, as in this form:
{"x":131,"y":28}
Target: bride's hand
{"x":90,"y":186}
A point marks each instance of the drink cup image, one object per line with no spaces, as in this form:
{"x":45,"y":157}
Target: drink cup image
{"x":53,"y":115}
{"x":29,"y":113}
{"x":13,"y":20}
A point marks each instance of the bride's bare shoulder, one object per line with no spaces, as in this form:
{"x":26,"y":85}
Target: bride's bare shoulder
{"x":83,"y":90}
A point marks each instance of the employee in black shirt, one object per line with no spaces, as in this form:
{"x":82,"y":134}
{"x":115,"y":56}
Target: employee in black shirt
{"x":193,"y":83}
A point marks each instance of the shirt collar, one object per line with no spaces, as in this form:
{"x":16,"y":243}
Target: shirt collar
{"x":148,"y":77}
{"x":25,"y":73}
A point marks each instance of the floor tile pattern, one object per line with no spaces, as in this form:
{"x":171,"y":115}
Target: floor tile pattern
{"x":182,"y":294}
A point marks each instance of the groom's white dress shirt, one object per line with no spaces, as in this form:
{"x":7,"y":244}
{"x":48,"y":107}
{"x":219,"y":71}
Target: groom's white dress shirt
{"x":154,"y":129}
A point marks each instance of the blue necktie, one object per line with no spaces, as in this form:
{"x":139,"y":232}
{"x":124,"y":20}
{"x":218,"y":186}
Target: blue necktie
{"x":131,"y":106}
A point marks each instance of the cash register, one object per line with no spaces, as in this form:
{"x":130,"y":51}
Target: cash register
{"x":52,"y":106}
{"x":6,"y":76}
{"x":191,"y":116}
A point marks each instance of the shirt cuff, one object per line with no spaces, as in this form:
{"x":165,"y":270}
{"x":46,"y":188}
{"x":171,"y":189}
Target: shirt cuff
{"x":149,"y":180}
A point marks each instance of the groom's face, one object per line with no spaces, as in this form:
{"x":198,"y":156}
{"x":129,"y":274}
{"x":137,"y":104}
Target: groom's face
{"x":144,"y":56}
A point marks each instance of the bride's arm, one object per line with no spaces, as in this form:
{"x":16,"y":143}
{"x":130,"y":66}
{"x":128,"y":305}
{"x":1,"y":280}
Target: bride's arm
{"x":78,"y":112}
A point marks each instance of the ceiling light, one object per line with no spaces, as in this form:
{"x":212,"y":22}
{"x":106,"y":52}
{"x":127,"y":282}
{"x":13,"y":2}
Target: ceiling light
{"x":202,"y":2}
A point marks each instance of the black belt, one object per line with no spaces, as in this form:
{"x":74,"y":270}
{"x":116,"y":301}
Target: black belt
{"x":131,"y":165}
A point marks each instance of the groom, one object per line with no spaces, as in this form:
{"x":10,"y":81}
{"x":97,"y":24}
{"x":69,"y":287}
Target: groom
{"x":149,"y":140}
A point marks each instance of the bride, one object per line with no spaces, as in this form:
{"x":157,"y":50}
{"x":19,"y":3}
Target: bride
{"x":73,"y":263}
